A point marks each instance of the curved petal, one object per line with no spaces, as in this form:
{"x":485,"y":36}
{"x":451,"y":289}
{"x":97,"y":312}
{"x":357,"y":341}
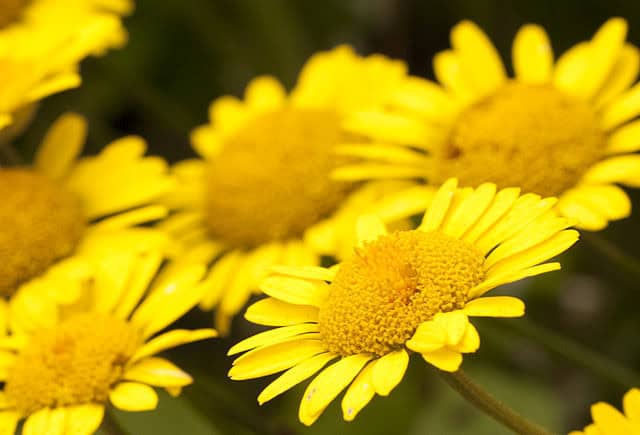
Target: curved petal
{"x":359,"y":393}
{"x":532,"y":55}
{"x":274,"y":312}
{"x":61,"y":145}
{"x":388,"y":371}
{"x":132,"y":396}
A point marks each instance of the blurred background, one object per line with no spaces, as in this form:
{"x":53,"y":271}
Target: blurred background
{"x":550,"y":366}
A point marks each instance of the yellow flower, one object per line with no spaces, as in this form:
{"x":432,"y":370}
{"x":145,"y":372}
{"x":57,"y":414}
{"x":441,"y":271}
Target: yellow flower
{"x":43,"y":41}
{"x":63,"y":214}
{"x":62,"y":363}
{"x":399,"y":292}
{"x":607,"y":420}
{"x":563,"y":128}
{"x":260,"y":192}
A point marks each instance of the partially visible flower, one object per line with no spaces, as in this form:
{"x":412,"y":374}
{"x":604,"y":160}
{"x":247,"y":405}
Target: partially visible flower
{"x":42,"y":43}
{"x":567,"y":128}
{"x":607,"y":420}
{"x":63,"y":362}
{"x":65,"y":214}
{"x":261,"y":185}
{"x":399,"y":293}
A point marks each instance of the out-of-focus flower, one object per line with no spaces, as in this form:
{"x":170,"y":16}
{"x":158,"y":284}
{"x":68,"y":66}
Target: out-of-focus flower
{"x":399,"y":292}
{"x":42,"y":43}
{"x":67,"y":217}
{"x":62,"y":363}
{"x":607,"y":420}
{"x":562,"y":128}
{"x":260,"y":192}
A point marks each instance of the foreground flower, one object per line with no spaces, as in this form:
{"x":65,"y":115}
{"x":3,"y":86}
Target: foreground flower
{"x":62,"y":364}
{"x":63,"y":211}
{"x":563,"y":129}
{"x":401,"y":292}
{"x":261,"y":185}
{"x":607,"y":420}
{"x":42,"y":43}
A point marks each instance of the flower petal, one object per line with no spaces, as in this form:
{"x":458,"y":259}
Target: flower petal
{"x":274,"y":312}
{"x":532,"y":55}
{"x":294,"y":290}
{"x":388,"y":371}
{"x":132,"y":396}
{"x":439,"y":206}
{"x":359,"y":393}
{"x":272,"y":336}
{"x":444,"y":359}
{"x":61,"y":145}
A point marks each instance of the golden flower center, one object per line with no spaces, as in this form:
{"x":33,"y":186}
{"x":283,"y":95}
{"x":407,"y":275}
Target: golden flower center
{"x":40,"y":222}
{"x":74,"y":363}
{"x":383,"y":292}
{"x":271,"y":180}
{"x":10,"y":11}
{"x":530,"y":136}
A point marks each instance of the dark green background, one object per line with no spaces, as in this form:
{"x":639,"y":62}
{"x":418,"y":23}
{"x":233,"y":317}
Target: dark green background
{"x":183,"y":54}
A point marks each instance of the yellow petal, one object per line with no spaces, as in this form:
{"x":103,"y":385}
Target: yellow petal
{"x":132,"y":396}
{"x":502,"y":203}
{"x":480,"y":60}
{"x":585,"y":216}
{"x":265,"y":361}
{"x":307,"y":272}
{"x":388,"y":127}
{"x":570,"y":68}
{"x":426,"y":99}
{"x":608,"y":417}
{"x":146,"y":269}
{"x":294,"y":376}
{"x":470,"y":210}
{"x":272,"y":336}
{"x":366,"y":171}
{"x":45,"y":421}
{"x":84,"y":419}
{"x":218,"y":278}
{"x":369,"y":228}
{"x":444,"y":359}
{"x":470,"y":341}
{"x":429,"y":336}
{"x":388,"y":153}
{"x":359,"y":393}
{"x":172,"y":339}
{"x":327,"y":385}
{"x":158,"y":372}
{"x":9,"y":422}
{"x":506,"y":276}
{"x":274,"y":312}
{"x":621,"y":77}
{"x":495,"y":306}
{"x":622,"y":108}
{"x":626,"y":139}
{"x":609,"y":200}
{"x":620,"y":169}
{"x":532,"y":55}
{"x":388,"y":371}
{"x":631,"y":405}
{"x":295,"y":291}
{"x":265,"y":93}
{"x":61,"y":145}
{"x":448,"y":70}
{"x":439,"y":206}
{"x":454,"y":324}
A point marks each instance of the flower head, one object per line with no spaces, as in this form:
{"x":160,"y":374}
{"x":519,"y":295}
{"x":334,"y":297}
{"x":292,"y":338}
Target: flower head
{"x":563,"y":128}
{"x":65,"y":361}
{"x":398,"y":293}
{"x":66,"y":211}
{"x":260,"y":193}
{"x":608,"y":420}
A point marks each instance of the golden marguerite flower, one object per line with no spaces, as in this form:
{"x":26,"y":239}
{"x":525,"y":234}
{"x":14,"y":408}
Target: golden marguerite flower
{"x":64,"y":213}
{"x":565,"y":128}
{"x":62,"y":363}
{"x":43,"y":41}
{"x":398,"y":293}
{"x":260,"y":193}
{"x":607,"y":420}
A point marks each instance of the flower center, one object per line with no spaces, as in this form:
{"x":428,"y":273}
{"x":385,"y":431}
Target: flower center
{"x":271,"y":180}
{"x":39,"y":223}
{"x":382,"y":293}
{"x":10,"y":11}
{"x":530,"y":136}
{"x":74,"y":363}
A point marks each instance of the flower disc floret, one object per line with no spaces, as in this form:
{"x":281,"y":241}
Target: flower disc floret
{"x":393,"y":284}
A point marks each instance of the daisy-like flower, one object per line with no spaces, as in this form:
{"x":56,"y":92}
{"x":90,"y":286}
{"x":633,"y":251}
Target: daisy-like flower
{"x":398,"y":293}
{"x":63,"y":364}
{"x":43,"y":41}
{"x":607,"y":420}
{"x":563,"y":128}
{"x":261,"y":185}
{"x":64,"y":211}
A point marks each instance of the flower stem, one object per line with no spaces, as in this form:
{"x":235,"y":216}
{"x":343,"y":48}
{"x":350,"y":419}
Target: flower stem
{"x":491,"y":406}
{"x":616,"y":255}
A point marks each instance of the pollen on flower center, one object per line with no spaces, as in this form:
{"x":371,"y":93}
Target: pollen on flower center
{"x":74,"y":363}
{"x":10,"y":11}
{"x":530,"y":136}
{"x":388,"y":287}
{"x":40,"y":222}
{"x":271,"y":180}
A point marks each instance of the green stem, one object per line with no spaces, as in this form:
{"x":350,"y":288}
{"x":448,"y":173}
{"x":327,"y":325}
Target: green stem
{"x":616,"y":255}
{"x":597,"y":363}
{"x":491,"y":406}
